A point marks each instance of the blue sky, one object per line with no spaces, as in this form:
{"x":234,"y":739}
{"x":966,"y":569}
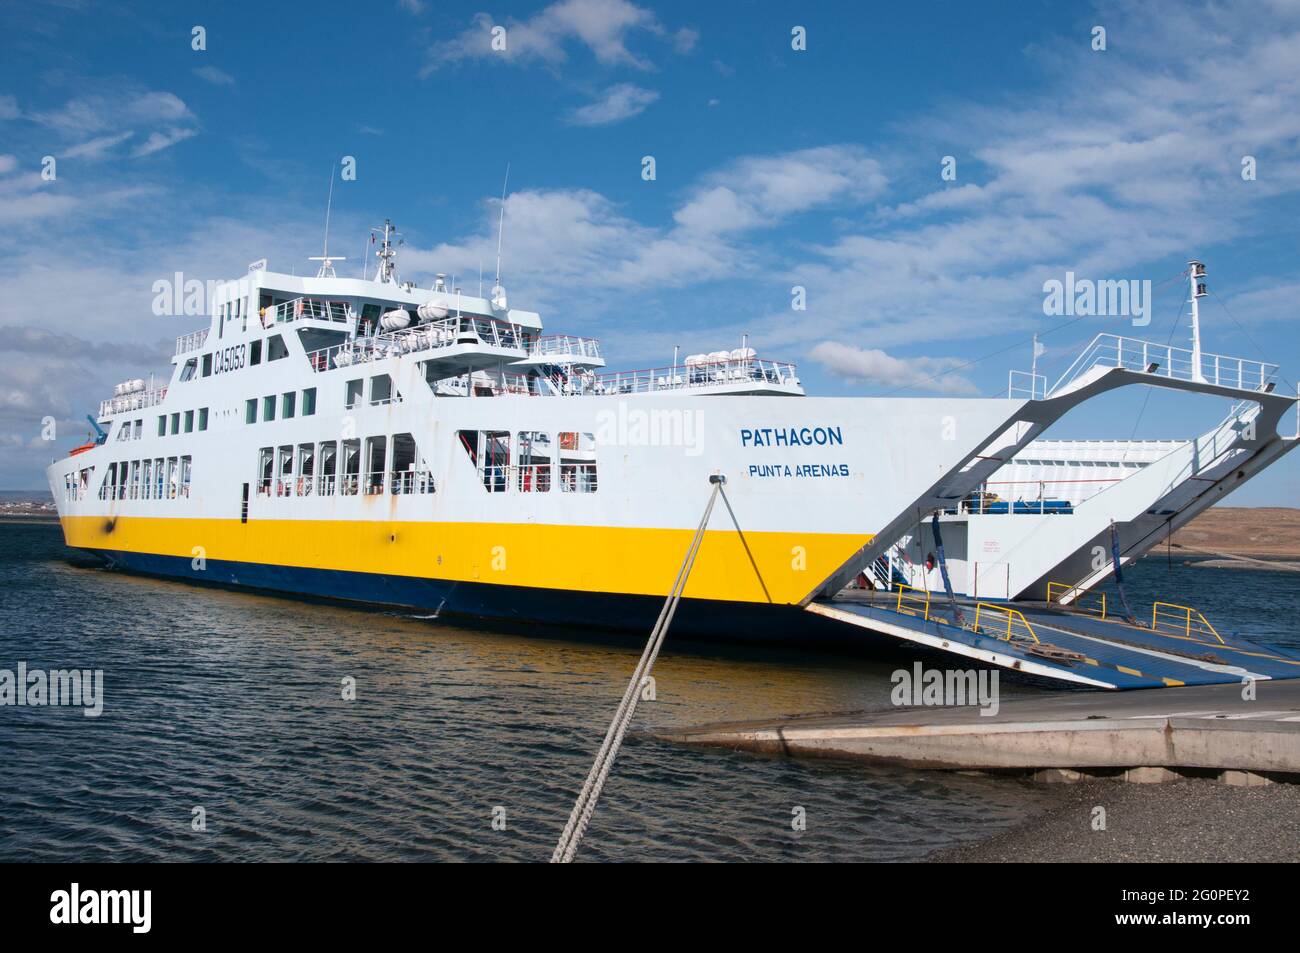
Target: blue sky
{"x":774,"y":168}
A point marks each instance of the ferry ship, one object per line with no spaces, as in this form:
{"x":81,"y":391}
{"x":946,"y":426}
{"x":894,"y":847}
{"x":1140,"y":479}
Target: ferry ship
{"x":367,"y":439}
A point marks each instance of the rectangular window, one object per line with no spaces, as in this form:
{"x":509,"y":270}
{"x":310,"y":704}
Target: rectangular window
{"x":352,"y":395}
{"x":402,"y":471}
{"x":284,"y":473}
{"x":376,"y":452}
{"x":207,"y":365}
{"x":189,"y":421}
{"x":185,"y":476}
{"x":490,"y":452}
{"x":176,"y":422}
{"x":328,"y":466}
{"x":139,"y":430}
{"x":173,"y":477}
{"x":135,"y":480}
{"x":351,"y":467}
{"x":147,"y":480}
{"x":306,"y":468}
{"x":288,"y":404}
{"x":276,"y":348}
{"x":190,"y":369}
{"x":265,"y":466}
{"x":255,"y":353}
{"x":162,"y":425}
{"x":381,"y":389}
{"x":250,"y":410}
{"x":577,"y":463}
{"x":109,"y":486}
{"x":534,"y":456}
{"x":268,"y":408}
{"x":309,"y":402}
{"x":203,"y":418}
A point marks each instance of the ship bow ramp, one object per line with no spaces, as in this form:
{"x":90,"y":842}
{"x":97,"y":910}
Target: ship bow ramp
{"x":974,"y":565}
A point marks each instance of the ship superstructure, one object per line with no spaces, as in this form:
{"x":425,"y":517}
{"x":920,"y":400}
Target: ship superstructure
{"x":368,"y":439}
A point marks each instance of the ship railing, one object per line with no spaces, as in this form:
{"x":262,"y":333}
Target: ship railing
{"x":127,"y":403}
{"x":572,"y":476}
{"x":1026,"y":385}
{"x":1171,"y":619}
{"x":192,"y":341}
{"x":565,"y":345}
{"x":406,"y":482}
{"x":1082,"y":600}
{"x":432,"y":336}
{"x":684,"y":377}
{"x":1175,"y":363}
{"x":1003,"y":623}
{"x":307,"y":309}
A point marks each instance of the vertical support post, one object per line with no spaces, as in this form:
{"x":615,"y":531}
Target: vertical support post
{"x":1196,"y":270}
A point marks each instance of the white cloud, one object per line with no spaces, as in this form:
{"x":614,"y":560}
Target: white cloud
{"x":7,"y":164}
{"x":94,"y":148}
{"x":603,"y":27}
{"x":9,"y":108}
{"x":158,"y":141}
{"x":216,"y":77}
{"x":94,"y":124}
{"x":618,"y":102}
{"x":873,"y":366}
{"x":762,"y":189}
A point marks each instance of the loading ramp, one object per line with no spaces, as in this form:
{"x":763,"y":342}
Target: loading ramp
{"x":1061,"y":645}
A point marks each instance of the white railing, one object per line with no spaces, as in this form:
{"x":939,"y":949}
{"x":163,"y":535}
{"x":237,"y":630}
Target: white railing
{"x":1023,"y":384}
{"x":565,"y":345}
{"x":129,"y":402}
{"x":192,"y":341}
{"x":450,"y":332}
{"x":1176,"y":363}
{"x":308,"y":309}
{"x":750,"y":370}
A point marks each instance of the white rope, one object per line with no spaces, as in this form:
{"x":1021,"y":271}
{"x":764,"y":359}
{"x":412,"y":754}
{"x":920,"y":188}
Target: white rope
{"x":585,"y":805}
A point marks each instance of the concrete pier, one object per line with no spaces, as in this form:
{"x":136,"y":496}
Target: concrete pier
{"x":1148,"y":735}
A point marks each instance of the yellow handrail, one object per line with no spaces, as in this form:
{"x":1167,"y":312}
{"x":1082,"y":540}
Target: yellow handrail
{"x":1186,"y":620}
{"x":913,"y":596}
{"x":1014,"y":617}
{"x":1078,"y":601}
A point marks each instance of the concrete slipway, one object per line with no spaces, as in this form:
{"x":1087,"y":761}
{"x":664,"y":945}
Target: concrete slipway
{"x":1147,"y":734}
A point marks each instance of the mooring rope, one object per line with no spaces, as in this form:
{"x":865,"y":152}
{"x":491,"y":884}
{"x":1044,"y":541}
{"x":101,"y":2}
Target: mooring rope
{"x":585,"y":805}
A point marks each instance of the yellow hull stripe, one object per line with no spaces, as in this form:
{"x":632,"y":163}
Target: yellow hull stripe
{"x":584,"y":558}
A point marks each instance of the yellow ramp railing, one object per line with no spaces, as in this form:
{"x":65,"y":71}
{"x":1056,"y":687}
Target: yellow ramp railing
{"x":1181,"y":620}
{"x":1002,"y":622}
{"x":1084,"y":600}
{"x":913,"y":601}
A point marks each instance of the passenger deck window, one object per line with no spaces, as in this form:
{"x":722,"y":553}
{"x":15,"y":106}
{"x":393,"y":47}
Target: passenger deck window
{"x":351,"y":467}
{"x":328,"y":463}
{"x":376,"y":451}
{"x":578,"y":463}
{"x":534,"y":456}
{"x":276,"y":348}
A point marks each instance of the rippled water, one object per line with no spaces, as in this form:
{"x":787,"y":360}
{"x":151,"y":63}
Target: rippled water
{"x":232,"y":702}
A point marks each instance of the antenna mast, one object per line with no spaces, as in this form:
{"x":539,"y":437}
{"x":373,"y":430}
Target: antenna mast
{"x":326,"y":262}
{"x":498,"y":292}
